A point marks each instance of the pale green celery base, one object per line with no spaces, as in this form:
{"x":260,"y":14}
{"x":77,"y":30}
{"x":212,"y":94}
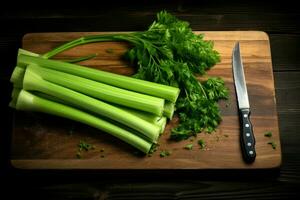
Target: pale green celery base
{"x":29,"y":102}
{"x":25,"y":52}
{"x":17,"y":76}
{"x":14,"y":96}
{"x":28,"y":53}
{"x":15,"y":93}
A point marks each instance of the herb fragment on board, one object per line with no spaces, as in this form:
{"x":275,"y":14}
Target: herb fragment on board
{"x":273,"y":144}
{"x":109,"y":50}
{"x":153,"y":149}
{"x":268,"y":134}
{"x":83,"y":146}
{"x":164,"y":153}
{"x":202,"y":144}
{"x":189,"y":146}
{"x":225,"y":135}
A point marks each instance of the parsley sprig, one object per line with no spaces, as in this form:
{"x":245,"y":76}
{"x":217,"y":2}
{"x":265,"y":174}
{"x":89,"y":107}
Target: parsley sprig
{"x":170,"y":53}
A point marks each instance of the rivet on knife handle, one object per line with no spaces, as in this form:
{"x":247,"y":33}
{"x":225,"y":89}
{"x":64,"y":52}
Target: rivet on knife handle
{"x":247,"y":137}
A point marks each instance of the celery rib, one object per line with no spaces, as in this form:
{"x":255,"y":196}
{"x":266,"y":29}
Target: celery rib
{"x":28,"y":101}
{"x":153,"y":119}
{"x":79,"y":41}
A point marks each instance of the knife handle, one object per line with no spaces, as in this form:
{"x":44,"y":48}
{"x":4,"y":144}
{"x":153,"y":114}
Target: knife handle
{"x":247,"y":136}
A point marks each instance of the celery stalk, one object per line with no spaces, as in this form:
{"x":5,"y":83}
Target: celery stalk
{"x":103,"y":91}
{"x":156,"y":120}
{"x":33,"y":81}
{"x":129,"y":83}
{"x":30,"y":102}
{"x":79,"y":41}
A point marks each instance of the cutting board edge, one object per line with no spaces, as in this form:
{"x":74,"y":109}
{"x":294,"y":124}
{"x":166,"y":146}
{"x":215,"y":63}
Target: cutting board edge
{"x":44,"y":164}
{"x":28,"y":36}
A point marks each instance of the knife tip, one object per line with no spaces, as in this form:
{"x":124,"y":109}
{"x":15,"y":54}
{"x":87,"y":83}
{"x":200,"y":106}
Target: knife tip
{"x":236,"y":48}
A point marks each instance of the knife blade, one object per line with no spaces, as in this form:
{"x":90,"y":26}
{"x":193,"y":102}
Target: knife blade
{"x":247,"y":138}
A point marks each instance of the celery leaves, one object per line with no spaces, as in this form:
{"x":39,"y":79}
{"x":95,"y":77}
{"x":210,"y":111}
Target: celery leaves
{"x":170,"y":53}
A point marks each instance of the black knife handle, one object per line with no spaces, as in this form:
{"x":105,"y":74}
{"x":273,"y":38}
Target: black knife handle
{"x":247,"y":136}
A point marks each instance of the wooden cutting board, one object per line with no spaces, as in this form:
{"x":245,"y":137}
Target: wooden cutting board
{"x":41,"y":141}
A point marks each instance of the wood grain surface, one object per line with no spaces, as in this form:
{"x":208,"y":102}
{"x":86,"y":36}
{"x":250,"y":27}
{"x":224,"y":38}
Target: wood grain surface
{"x":41,"y":141}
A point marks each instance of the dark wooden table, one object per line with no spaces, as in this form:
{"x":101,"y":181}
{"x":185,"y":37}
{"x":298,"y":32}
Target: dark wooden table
{"x":282,"y":23}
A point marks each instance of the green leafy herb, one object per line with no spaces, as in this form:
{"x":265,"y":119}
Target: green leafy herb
{"x":170,"y":53}
{"x":189,"y":146}
{"x":202,"y":144}
{"x":109,"y":50}
{"x":215,"y":89}
{"x":268,"y":134}
{"x":273,"y":144}
{"x":83,"y":145}
{"x":164,"y":153}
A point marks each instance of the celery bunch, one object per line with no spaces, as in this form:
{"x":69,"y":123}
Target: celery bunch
{"x":100,"y":99}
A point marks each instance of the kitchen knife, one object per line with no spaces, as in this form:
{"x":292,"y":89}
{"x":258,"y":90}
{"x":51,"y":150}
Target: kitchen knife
{"x":246,"y":136}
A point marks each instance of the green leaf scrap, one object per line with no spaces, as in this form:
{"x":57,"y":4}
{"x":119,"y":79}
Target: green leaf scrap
{"x":189,"y":146}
